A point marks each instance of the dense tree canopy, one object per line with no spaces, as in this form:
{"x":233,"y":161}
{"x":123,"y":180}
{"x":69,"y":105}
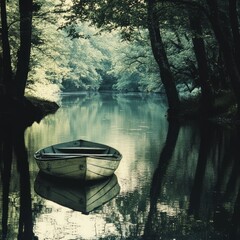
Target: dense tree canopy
{"x":202,"y":22}
{"x":180,"y":47}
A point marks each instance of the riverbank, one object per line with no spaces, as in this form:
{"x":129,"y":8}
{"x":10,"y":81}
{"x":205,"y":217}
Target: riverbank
{"x":224,"y":109}
{"x":44,"y":107}
{"x":26,"y":110}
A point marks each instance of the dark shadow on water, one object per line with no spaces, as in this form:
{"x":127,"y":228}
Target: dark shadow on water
{"x":213,"y":202}
{"x":13,"y":151}
{"x":227,"y":190}
{"x":152,"y":231}
{"x":6,"y":164}
{"x":206,"y":143}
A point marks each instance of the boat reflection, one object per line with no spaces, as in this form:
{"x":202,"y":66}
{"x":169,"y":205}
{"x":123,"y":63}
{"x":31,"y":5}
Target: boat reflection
{"x":79,"y":196}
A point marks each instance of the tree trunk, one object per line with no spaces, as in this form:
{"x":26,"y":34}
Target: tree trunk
{"x":206,"y":104}
{"x":6,"y":57}
{"x":226,"y":49}
{"x":233,"y":15}
{"x":162,"y":60}
{"x":25,"y":9}
{"x":1,"y":69}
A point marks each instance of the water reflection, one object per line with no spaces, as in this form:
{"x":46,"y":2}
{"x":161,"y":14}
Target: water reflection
{"x":15,"y":175}
{"x":177,"y":181}
{"x":153,"y":228}
{"x":211,"y":206}
{"x":79,"y":196}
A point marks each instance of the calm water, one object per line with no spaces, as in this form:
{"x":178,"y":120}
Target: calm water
{"x":176,"y":181}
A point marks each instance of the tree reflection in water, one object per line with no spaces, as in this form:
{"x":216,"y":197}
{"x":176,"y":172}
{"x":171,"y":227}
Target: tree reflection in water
{"x":189,"y":190}
{"x":227,"y":198}
{"x":206,"y":143}
{"x":211,"y":213}
{"x":14,"y":164}
{"x":152,"y":230}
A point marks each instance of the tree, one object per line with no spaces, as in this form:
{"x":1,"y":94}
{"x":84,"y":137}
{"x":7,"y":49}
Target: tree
{"x":15,"y":85}
{"x":133,"y":63}
{"x":206,"y":104}
{"x":161,"y":58}
{"x":25,"y":9}
{"x":129,"y":16}
{"x":6,"y":57}
{"x":224,"y":42}
{"x":234,"y":23}
{"x":222,"y":18}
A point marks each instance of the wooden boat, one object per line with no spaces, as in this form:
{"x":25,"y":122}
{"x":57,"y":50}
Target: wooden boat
{"x":79,"y":196}
{"x":80,"y":159}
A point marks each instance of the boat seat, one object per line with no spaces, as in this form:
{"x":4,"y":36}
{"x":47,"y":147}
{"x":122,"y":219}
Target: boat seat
{"x":81,"y":148}
{"x":90,"y":150}
{"x":77,"y":154}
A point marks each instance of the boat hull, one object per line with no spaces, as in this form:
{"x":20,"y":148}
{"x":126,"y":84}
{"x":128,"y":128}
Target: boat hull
{"x":84,"y":164}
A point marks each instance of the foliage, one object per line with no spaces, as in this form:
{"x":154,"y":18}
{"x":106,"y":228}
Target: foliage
{"x":49,"y":53}
{"x":13,"y":29}
{"x":89,"y":56}
{"x":104,"y":45}
{"x":83,"y":57}
{"x":134,"y":66}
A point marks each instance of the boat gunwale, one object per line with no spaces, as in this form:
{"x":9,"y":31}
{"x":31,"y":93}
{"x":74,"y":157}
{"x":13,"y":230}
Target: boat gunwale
{"x":115,"y":157}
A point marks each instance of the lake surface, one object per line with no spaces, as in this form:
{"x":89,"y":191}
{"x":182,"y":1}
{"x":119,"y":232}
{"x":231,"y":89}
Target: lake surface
{"x":176,"y":181}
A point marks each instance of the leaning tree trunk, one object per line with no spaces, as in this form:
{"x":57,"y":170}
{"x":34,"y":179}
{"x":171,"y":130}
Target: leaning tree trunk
{"x":6,"y":56}
{"x":162,"y":60}
{"x":25,"y":9}
{"x":227,"y":51}
{"x":206,"y":104}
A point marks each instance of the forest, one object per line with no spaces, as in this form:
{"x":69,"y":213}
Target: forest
{"x":178,"y":179}
{"x":186,"y":49}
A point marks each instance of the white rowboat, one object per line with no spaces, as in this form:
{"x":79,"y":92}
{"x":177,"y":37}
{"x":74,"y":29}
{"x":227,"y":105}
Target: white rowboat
{"x":80,"y":159}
